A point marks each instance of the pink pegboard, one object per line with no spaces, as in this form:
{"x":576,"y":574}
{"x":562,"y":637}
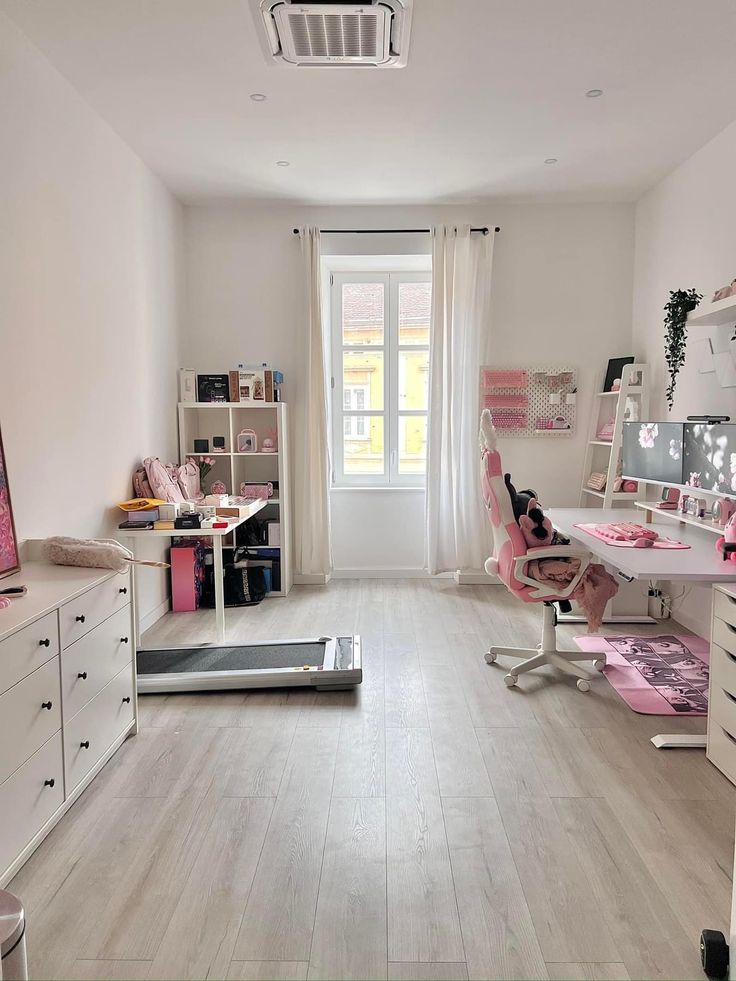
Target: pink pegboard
{"x":530,"y":401}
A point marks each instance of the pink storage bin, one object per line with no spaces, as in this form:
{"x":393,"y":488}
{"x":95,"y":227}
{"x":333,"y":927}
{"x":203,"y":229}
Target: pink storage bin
{"x":184,"y":597}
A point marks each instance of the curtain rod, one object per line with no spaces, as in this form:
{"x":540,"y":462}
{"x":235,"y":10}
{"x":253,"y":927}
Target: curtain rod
{"x":390,"y":231}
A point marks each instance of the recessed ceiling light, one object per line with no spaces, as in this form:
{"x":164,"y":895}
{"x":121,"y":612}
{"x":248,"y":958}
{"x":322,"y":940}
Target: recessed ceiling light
{"x":283,"y":163}
{"x":258,"y":97}
{"x":594,"y":93}
{"x":551,"y":160}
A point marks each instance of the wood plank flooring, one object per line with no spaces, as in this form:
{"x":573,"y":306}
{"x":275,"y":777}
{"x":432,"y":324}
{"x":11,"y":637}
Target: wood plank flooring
{"x":430,"y":825}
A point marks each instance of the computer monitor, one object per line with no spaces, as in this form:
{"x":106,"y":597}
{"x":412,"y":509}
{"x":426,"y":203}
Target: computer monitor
{"x":709,"y":458}
{"x":653,"y":451}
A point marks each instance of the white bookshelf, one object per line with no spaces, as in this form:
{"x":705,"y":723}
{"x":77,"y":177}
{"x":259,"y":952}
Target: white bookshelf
{"x":604,"y":456}
{"x":203,"y":420}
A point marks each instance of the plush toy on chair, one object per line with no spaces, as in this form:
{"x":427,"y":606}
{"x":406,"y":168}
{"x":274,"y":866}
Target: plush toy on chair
{"x":519,"y":525}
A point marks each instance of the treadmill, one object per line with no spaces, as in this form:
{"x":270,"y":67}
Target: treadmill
{"x":324,"y":663}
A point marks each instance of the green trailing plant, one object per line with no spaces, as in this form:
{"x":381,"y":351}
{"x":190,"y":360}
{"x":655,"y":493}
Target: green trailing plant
{"x":680,"y":303}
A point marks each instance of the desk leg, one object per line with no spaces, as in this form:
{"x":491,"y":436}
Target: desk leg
{"x":679,"y":741}
{"x":219,"y":589}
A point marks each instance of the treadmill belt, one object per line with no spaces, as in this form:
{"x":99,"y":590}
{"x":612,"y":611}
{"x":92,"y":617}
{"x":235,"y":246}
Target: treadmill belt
{"x":240,"y":658}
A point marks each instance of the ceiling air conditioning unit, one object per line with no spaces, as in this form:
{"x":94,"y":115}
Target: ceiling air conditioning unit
{"x":373,"y":34}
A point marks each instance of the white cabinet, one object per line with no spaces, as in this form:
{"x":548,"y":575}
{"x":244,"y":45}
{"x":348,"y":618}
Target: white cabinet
{"x":721,"y":740}
{"x":67,"y":696}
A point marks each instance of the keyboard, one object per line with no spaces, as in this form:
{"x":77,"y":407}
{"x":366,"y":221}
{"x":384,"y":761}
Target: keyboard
{"x":625,"y":531}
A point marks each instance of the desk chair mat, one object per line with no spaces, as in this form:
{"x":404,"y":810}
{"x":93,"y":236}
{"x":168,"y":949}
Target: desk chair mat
{"x":592,"y":529}
{"x":662,"y":675}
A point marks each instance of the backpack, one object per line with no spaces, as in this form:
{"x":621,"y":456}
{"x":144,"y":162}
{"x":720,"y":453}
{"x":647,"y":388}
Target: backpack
{"x":141,"y":487}
{"x":187,"y":476}
{"x":164,"y":485}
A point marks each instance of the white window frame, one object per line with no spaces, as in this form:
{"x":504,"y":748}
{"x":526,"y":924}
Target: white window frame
{"x":390,"y":348}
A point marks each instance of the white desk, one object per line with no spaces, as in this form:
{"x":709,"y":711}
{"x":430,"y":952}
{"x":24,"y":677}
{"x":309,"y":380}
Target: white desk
{"x":217,"y":535}
{"x":699,"y":563}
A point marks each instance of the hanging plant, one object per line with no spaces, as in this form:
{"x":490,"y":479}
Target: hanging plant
{"x":680,"y":303}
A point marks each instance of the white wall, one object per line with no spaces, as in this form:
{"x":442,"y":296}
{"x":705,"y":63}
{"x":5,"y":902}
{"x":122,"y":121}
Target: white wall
{"x":88,"y":278}
{"x":562,"y":294}
{"x":686,"y":236}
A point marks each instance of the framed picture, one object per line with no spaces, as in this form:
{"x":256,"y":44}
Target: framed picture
{"x":615,"y":371}
{"x":9,"y":557}
{"x":247,"y":441}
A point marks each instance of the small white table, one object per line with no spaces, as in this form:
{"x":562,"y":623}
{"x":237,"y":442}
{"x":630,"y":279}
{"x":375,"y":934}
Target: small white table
{"x":217,"y":535}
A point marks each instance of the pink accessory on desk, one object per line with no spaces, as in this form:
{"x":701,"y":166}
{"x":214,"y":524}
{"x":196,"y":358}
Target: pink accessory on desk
{"x":629,"y":535}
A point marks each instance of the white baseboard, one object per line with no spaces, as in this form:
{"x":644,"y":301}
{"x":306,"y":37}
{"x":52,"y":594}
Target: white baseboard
{"x":699,"y":627}
{"x":310,"y":579}
{"x":375,"y":573}
{"x":155,"y":614}
{"x":470,"y":578}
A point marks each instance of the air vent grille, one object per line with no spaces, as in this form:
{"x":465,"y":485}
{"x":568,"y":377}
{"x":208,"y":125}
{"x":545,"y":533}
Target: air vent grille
{"x":334,"y":35}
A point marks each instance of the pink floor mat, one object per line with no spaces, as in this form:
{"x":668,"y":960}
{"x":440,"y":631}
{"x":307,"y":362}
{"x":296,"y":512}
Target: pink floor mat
{"x":664,"y":675}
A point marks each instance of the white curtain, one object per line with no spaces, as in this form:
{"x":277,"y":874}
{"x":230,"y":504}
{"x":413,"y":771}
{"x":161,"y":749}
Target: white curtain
{"x":312,"y":538}
{"x":456,"y":524}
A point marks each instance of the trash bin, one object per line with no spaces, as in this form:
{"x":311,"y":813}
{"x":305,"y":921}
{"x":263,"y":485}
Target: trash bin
{"x":13,"y":965}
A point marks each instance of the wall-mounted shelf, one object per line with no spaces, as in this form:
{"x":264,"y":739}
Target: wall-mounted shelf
{"x":713,"y":314}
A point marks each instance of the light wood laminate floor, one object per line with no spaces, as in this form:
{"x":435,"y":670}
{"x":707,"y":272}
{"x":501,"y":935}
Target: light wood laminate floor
{"x":430,"y":825}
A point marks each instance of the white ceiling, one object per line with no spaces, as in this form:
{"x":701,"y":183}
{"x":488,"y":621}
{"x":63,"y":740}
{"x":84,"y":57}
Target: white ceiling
{"x":492,"y":88}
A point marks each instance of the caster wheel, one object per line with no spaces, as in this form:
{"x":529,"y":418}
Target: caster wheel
{"x":510,"y":680}
{"x":491,"y":656}
{"x":599,"y":664}
{"x":583,"y":685}
{"x":714,"y":953}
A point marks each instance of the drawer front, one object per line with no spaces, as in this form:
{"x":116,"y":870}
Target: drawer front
{"x":30,"y":713}
{"x":724,"y":607}
{"x":82,"y":614}
{"x":721,"y":749}
{"x":29,"y":798}
{"x":91,"y":732}
{"x":722,"y":668}
{"x":722,"y":707}
{"x":88,"y":665}
{"x":724,"y":635}
{"x":28,"y":649}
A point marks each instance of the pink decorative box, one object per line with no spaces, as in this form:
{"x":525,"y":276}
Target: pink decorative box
{"x":184,"y":598}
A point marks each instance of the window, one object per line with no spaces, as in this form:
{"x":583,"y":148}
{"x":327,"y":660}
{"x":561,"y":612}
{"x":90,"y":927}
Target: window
{"x":380,"y":377}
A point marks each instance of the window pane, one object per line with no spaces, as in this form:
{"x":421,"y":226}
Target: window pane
{"x":363,"y":445}
{"x":412,"y":444}
{"x":413,"y":379}
{"x":414,"y":310}
{"x":362,"y":313}
{"x":362,"y":379}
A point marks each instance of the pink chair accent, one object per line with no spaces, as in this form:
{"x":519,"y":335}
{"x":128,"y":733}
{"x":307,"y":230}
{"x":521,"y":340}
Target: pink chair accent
{"x":509,"y":562}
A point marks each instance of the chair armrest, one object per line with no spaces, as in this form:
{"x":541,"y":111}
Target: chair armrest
{"x":559,"y":591}
{"x":556,"y":552}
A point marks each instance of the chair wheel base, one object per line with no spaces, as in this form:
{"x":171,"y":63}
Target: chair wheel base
{"x":599,"y":664}
{"x":491,"y":656}
{"x":510,"y":680}
{"x":582,"y":684}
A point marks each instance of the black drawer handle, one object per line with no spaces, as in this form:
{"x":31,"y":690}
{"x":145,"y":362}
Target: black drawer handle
{"x":127,"y":699}
{"x":44,"y":643}
{"x":80,"y":619}
{"x":82,"y":675}
{"x":123,"y":640}
{"x":46,"y":705}
{"x":49,"y":783}
{"x":123,"y":590}
{"x":84,"y":745}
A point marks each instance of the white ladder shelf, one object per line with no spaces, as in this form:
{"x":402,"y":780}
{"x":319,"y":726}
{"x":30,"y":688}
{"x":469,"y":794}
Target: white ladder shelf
{"x":602,"y":456}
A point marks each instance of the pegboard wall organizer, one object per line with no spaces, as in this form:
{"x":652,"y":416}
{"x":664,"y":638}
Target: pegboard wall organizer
{"x":538,"y":401}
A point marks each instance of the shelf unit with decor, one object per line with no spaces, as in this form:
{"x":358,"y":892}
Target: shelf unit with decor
{"x":722,"y":312}
{"x":204,"y":420}
{"x":603,"y":456}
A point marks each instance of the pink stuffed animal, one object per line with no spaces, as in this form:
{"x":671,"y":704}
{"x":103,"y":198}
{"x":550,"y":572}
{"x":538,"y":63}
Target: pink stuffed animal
{"x":535,"y":527}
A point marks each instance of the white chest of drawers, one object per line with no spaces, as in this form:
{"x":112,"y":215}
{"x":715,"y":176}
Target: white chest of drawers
{"x":67,"y":696}
{"x":721,"y":739}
